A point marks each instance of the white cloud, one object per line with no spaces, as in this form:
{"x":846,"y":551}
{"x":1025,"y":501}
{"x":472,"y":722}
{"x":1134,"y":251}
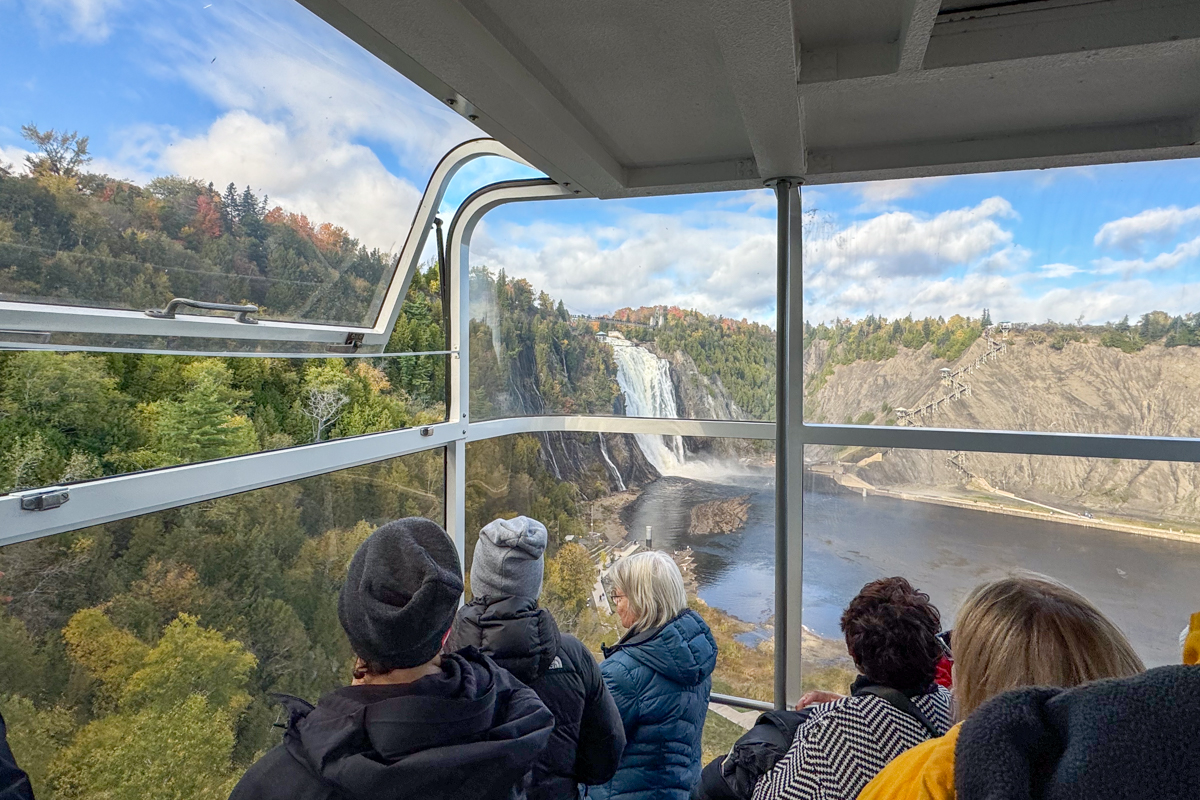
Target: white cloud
{"x":1057,"y":271}
{"x":282,"y":67}
{"x":882,"y":194}
{"x":14,"y":158}
{"x":1181,"y":254}
{"x":77,"y":20}
{"x":716,"y":262}
{"x":903,"y":244}
{"x":310,"y":171}
{"x":1156,"y":226}
{"x":306,"y":116}
{"x":754,"y":201}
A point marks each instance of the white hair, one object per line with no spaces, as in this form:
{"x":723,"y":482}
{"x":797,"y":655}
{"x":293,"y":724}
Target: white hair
{"x":652,"y":586}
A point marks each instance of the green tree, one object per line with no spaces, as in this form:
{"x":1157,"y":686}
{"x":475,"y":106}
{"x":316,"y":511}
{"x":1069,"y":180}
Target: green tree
{"x":187,"y":660}
{"x":36,"y":736}
{"x":204,"y":423}
{"x":58,"y":153}
{"x":22,"y":661}
{"x":176,"y":753}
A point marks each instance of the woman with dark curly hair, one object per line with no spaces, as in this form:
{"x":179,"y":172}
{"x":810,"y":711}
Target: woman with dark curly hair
{"x":891,"y":633}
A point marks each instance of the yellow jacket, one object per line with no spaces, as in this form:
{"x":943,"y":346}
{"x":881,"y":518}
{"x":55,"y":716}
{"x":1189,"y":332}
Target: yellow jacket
{"x":1191,"y":645}
{"x":926,"y":772}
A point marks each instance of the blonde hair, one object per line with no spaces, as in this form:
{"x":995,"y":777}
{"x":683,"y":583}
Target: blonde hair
{"x":652,"y":586}
{"x":1031,"y":630}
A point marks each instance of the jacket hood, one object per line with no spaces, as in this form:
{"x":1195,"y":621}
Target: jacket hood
{"x":1127,"y":737}
{"x":519,"y":636}
{"x":683,"y":650}
{"x":467,"y":731}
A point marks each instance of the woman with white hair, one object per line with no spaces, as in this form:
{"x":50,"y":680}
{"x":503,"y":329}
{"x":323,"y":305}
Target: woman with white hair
{"x":660,"y":675}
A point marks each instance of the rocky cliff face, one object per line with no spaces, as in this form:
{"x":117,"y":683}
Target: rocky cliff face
{"x":1032,"y":387}
{"x":700,"y":397}
{"x":613,"y":459}
{"x":697,"y":396}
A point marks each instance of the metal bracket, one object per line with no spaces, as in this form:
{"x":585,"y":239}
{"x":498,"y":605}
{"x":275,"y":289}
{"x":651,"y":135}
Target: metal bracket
{"x":45,"y":499}
{"x":173,"y":306}
{"x":353,"y":342}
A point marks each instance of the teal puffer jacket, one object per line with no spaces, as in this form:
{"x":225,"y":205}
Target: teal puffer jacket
{"x":661,"y":680}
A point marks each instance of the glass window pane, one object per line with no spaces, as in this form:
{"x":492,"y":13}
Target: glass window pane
{"x":1125,"y":534}
{"x":158,"y":641}
{"x":659,"y":307}
{"x":231,"y":152}
{"x":715,"y":515}
{"x":1056,"y":300}
{"x":68,"y":417}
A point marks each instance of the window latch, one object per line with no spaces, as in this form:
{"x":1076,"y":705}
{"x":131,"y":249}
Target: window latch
{"x":173,"y":306}
{"x":353,"y":342}
{"x":44,"y":499}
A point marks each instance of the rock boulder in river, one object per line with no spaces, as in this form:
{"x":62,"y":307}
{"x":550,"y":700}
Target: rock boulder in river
{"x":720,"y":516}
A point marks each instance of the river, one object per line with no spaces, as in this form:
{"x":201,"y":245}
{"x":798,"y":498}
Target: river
{"x":1148,"y":586}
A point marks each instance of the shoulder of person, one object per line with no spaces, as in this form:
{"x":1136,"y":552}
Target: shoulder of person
{"x":574,"y":653}
{"x":825,"y":715}
{"x":621,"y":666}
{"x":924,"y":772}
{"x":276,"y":775}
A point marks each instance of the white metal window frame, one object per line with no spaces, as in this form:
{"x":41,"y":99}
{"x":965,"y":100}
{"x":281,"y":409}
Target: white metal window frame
{"x":120,"y":497}
{"x":19,"y":320}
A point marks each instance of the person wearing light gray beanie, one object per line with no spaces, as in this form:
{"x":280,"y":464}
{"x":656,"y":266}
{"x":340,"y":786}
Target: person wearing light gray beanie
{"x":505,"y":622}
{"x":508,"y":559}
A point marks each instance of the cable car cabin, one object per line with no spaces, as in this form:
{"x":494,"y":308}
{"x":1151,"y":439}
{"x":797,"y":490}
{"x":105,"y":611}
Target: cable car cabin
{"x":274,"y":275}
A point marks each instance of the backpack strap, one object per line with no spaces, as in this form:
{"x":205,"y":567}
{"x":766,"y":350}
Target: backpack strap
{"x":902,"y":702}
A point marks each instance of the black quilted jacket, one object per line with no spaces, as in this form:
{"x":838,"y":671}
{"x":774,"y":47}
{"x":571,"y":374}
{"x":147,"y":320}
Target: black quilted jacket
{"x":588,"y":737}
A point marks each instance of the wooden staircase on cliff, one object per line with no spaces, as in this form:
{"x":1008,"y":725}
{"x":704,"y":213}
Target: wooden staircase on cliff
{"x":953,"y":379}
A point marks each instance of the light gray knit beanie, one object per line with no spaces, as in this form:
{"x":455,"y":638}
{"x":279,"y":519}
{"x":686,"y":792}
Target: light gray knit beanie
{"x":508,"y":558}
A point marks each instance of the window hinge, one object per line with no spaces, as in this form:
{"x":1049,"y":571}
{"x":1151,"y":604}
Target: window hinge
{"x":44,"y":499}
{"x":353,"y":342}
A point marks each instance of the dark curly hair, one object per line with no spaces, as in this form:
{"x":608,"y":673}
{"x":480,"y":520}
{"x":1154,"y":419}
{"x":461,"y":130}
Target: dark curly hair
{"x":891,"y":631}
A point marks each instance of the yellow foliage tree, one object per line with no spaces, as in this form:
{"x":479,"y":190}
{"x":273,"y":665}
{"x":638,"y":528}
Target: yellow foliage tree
{"x":570,"y":576}
{"x":108,"y":653}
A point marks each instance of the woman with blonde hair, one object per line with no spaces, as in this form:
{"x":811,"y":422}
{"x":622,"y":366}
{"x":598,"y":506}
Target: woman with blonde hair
{"x":1023,"y":630}
{"x":660,"y":674}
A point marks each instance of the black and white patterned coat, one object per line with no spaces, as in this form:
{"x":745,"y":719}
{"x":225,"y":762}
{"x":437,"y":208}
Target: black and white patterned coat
{"x":843,"y":744}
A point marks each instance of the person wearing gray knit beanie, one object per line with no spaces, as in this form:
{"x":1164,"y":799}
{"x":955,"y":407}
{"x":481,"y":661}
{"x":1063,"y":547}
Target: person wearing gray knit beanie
{"x":505,"y":622}
{"x":508,"y":559}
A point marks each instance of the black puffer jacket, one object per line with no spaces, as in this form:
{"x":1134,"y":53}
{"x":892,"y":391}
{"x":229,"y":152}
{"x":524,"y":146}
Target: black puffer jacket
{"x":588,"y":735}
{"x":471,"y":732}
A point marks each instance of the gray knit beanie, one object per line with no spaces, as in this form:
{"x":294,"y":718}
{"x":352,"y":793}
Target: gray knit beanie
{"x":401,"y":593}
{"x":508,"y":559}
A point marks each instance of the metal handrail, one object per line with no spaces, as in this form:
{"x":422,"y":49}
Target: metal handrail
{"x":741,"y":702}
{"x":173,"y":306}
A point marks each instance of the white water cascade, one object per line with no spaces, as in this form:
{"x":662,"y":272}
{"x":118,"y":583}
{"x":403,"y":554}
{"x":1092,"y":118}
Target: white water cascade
{"x":645,"y":380}
{"x":616,"y":473}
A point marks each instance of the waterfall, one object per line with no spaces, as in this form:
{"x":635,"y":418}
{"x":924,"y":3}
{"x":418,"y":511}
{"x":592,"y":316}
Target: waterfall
{"x":645,"y":381}
{"x":616,"y":473}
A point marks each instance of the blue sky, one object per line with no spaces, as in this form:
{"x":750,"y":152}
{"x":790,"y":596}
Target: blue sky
{"x":266,"y":94}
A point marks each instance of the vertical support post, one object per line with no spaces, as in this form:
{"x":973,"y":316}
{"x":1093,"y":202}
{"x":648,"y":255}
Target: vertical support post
{"x":458,"y":400}
{"x":456,"y":480}
{"x":794,"y":450}
{"x":787,"y":472}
